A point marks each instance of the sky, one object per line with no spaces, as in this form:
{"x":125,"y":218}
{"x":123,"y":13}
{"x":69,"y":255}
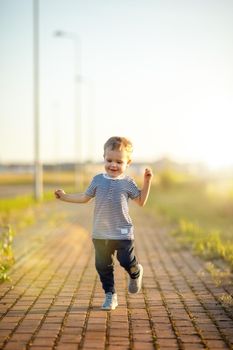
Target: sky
{"x":159,"y":72}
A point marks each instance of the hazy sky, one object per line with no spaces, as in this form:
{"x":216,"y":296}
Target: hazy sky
{"x":157,"y":71}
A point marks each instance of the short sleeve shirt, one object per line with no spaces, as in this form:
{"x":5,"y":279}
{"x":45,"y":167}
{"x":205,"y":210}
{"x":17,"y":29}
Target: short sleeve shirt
{"x":111,"y":213}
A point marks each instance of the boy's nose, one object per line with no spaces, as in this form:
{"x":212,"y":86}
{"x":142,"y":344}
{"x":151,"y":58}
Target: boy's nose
{"x":113,"y":163}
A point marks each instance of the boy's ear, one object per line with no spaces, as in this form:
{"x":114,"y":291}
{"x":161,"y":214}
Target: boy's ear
{"x":129,"y":161}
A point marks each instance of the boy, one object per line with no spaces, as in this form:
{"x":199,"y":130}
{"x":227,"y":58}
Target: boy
{"x":113,"y":228}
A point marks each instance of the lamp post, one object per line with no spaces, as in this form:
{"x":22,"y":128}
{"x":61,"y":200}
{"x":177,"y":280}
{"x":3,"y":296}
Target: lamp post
{"x":38,"y":170}
{"x":77,"y":80}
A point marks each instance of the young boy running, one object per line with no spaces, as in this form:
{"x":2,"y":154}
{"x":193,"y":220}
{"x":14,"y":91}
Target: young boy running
{"x":112,"y":227}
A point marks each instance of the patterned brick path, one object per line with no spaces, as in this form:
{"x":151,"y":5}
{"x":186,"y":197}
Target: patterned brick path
{"x":53,"y":299}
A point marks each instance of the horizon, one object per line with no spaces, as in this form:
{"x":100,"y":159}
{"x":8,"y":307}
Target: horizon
{"x":163,"y":163}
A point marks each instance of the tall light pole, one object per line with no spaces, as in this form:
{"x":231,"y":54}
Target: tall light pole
{"x":38,"y":172}
{"x":77,"y":80}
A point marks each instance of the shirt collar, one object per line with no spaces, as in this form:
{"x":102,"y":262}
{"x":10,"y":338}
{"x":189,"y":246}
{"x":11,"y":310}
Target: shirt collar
{"x":120,"y":177}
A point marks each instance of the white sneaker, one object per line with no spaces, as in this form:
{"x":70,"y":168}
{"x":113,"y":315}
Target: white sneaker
{"x":110,"y":302}
{"x":135,"y":284}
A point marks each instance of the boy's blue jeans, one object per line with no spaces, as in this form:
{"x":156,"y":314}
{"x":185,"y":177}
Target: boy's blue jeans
{"x":104,"y":260}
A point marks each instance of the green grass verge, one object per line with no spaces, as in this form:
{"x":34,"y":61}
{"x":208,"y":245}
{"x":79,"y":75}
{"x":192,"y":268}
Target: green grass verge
{"x":14,"y":212}
{"x":202,"y":221}
{"x":6,"y":252}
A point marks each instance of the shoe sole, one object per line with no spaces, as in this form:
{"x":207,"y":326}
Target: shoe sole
{"x":140,"y":276}
{"x":108,"y":308}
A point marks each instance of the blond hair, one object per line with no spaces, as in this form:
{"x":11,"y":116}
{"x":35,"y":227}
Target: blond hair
{"x":119,"y":143}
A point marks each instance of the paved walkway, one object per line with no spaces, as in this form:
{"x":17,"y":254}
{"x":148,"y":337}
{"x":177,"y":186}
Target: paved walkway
{"x":54,"y":297}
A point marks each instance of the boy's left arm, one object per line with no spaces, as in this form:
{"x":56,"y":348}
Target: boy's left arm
{"x":141,"y":200}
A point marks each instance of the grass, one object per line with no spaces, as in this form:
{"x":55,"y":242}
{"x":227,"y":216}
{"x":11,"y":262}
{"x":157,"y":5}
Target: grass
{"x":15,"y":214}
{"x":193,"y":203}
{"x":21,"y":211}
{"x":207,"y":244}
{"x":6,"y":252}
{"x":202,"y":218}
{"x":49,"y":177}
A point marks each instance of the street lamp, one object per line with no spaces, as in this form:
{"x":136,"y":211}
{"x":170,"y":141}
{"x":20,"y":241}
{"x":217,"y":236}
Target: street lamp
{"x":38,"y":170}
{"x":77,"y":80}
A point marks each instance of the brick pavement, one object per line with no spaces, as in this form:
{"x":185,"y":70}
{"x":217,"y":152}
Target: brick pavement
{"x":53,"y":299}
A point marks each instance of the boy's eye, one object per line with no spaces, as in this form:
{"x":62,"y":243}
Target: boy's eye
{"x":118,"y":161}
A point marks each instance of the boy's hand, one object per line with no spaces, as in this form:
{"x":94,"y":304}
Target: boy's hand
{"x":148,"y":174}
{"x":59,"y":193}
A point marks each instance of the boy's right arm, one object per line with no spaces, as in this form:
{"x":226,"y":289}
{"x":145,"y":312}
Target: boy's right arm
{"x":72,"y":198}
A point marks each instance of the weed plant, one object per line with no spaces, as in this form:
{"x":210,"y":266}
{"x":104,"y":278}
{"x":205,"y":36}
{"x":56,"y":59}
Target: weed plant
{"x":202,"y":221}
{"x":18,"y":213}
{"x":6,"y":252}
{"x":207,"y":244}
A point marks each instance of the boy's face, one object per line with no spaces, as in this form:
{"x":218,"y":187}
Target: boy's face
{"x":115,"y":162}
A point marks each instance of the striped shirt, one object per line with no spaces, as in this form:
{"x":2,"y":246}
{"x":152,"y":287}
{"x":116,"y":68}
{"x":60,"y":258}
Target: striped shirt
{"x":111,"y":213}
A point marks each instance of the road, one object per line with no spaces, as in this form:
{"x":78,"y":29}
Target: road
{"x":54,"y":298}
